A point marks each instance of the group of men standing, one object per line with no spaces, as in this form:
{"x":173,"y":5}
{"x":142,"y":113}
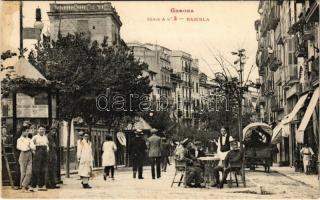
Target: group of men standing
{"x":36,"y":153}
{"x":157,"y":149}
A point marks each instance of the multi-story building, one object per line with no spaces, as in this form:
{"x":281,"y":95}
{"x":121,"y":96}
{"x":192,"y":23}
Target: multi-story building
{"x":288,"y":59}
{"x":181,"y":63}
{"x":159,"y":71}
{"x":94,"y":20}
{"x":250,"y":100}
{"x":195,"y":106}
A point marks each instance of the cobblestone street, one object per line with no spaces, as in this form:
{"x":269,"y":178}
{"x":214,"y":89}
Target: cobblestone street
{"x":126,"y":187}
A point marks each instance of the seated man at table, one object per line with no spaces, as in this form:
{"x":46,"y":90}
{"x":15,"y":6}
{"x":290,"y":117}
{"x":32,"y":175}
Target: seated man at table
{"x":193,"y":173}
{"x":232,"y":162}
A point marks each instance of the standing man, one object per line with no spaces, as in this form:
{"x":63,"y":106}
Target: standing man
{"x":80,"y":138}
{"x":223,"y":141}
{"x":40,"y":158}
{"x":52,"y":159}
{"x":165,"y":152}
{"x":138,"y":151}
{"x":154,"y":149}
{"x":307,"y":154}
{"x":223,"y":144}
{"x":17,"y":177}
{"x":79,"y":143}
{"x":85,"y":161}
{"x":25,"y":145}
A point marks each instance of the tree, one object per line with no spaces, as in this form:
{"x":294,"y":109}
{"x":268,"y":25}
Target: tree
{"x":86,"y":71}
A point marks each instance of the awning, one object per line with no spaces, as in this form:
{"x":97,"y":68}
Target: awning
{"x":283,"y":128}
{"x":276,"y":133}
{"x":288,"y":118}
{"x":306,"y":118}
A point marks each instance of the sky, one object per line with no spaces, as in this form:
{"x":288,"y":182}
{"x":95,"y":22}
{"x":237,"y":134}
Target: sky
{"x":230,"y":27}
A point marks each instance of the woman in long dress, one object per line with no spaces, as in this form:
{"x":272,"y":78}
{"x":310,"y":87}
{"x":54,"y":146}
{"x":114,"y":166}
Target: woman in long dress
{"x":85,"y":161}
{"x":108,"y":157}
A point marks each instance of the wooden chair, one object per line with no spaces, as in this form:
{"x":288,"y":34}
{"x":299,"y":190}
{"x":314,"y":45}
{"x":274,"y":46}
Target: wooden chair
{"x":181,"y":168}
{"x":234,"y":172}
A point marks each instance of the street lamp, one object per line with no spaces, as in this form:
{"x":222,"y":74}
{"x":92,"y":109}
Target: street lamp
{"x":241,"y":61}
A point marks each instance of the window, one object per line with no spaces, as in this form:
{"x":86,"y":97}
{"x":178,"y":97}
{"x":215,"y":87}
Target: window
{"x":83,"y":26}
{"x":292,"y":60}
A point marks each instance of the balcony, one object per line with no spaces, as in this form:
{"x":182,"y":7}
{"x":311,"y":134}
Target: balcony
{"x":308,"y":35}
{"x":175,"y":77}
{"x":279,"y":39}
{"x":274,"y":63}
{"x":264,"y":58}
{"x":314,"y":75}
{"x":279,"y":2}
{"x":298,"y":26}
{"x":301,"y":51}
{"x":292,"y":77}
{"x":276,"y":106}
{"x":257,"y":24}
{"x":269,"y":87}
{"x":274,"y":18}
{"x":264,"y":27}
{"x":262,"y":100}
{"x":166,"y":85}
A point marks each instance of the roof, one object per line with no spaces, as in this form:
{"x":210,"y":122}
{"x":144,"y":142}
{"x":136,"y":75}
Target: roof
{"x":22,"y":68}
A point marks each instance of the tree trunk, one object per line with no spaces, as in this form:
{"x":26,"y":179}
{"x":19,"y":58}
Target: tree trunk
{"x":68,"y":150}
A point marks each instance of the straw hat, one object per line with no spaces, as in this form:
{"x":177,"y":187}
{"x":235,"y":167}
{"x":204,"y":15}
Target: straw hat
{"x":153,"y":130}
{"x":139,"y":132}
{"x":184,"y":141}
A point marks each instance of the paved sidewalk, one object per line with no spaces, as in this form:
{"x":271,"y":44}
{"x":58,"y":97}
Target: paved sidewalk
{"x":310,"y":180}
{"x":125,"y":187}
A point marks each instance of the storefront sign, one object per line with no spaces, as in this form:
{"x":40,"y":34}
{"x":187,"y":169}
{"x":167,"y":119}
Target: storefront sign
{"x":32,"y":107}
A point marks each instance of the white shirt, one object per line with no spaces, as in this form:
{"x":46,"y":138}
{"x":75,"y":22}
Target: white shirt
{"x":306,"y":152}
{"x":39,"y":140}
{"x":25,"y":144}
{"x":223,"y":138}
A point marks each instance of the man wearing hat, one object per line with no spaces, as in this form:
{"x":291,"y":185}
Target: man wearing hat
{"x":154,"y":152}
{"x":232,"y":162}
{"x":52,"y":159}
{"x":138,"y":150}
{"x":193,"y":173}
{"x":80,"y":138}
{"x":165,"y":152}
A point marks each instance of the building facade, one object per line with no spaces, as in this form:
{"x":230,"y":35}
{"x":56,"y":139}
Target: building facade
{"x":288,"y":59}
{"x":181,"y":63}
{"x":94,"y":20}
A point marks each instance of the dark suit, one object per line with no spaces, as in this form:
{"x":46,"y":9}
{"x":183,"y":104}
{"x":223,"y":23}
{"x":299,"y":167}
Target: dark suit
{"x":137,"y":151}
{"x":232,"y":162}
{"x":165,"y":152}
{"x":52,"y":162}
{"x":154,"y":152}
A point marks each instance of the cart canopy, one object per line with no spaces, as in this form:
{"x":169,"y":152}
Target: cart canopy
{"x":257,"y":129}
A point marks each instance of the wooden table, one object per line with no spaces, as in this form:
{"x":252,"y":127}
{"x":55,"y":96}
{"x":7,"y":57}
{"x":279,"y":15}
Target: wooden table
{"x":209,"y":163}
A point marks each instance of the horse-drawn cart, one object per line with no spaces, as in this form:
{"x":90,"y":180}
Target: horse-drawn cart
{"x":258,"y":147}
